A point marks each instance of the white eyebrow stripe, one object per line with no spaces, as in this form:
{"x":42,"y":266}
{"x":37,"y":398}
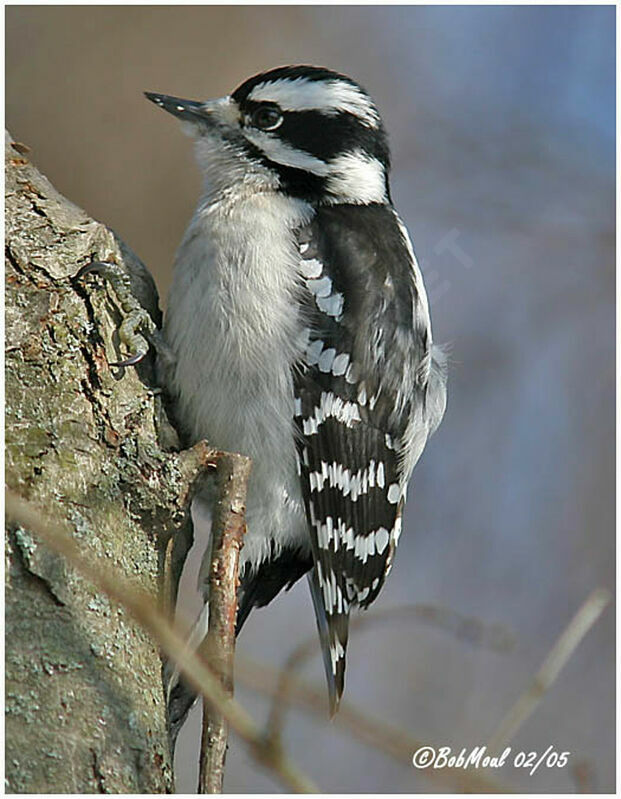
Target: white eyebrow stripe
{"x":331,"y":96}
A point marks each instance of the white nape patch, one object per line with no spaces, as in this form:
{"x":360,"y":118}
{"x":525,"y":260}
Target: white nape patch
{"x":357,"y":178}
{"x":321,"y":287}
{"x":310,"y":267}
{"x":326,"y":360}
{"x":328,"y":96}
{"x":340,"y":363}
{"x":394,"y":493}
{"x":331,"y":305}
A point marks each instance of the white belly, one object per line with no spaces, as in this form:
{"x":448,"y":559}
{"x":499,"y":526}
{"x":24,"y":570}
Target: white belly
{"x":234,"y":328}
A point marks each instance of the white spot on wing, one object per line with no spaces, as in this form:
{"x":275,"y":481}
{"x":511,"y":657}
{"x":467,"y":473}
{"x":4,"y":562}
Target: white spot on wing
{"x":332,"y":304}
{"x":326,"y":360}
{"x":340,"y":364}
{"x":381,"y":480}
{"x":394,"y":493}
{"x":320,"y":287}
{"x":311,"y":267}
{"x":351,"y":375}
{"x":381,"y":540}
{"x":314,"y":352}
{"x":396,"y":530}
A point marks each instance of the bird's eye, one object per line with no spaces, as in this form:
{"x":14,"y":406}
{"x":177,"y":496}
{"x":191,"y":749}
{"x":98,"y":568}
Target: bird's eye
{"x":267,"y":117}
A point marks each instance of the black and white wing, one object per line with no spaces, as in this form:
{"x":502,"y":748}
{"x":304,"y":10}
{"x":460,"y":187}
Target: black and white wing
{"x":360,"y":406}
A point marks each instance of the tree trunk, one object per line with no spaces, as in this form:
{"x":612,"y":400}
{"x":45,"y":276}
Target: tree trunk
{"x":84,"y":441}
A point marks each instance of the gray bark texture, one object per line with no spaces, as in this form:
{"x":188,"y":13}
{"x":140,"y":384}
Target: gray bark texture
{"x":85,"y":442}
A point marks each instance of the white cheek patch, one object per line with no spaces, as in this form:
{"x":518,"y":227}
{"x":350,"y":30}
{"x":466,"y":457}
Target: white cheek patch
{"x":282,"y":153}
{"x":351,"y":177}
{"x":330,"y":97}
{"x":357,"y":177}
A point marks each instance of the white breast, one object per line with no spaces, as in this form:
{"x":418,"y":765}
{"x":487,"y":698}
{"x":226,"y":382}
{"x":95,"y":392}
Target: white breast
{"x":233,"y":325}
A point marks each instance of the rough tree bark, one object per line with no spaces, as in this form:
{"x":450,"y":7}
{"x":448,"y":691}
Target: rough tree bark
{"x":89,"y":444}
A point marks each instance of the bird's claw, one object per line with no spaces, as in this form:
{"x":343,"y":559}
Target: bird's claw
{"x":136,"y":320}
{"x":131,"y":361}
{"x":94,"y":267}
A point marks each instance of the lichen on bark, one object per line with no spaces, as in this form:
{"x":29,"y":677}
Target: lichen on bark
{"x":90,"y":445}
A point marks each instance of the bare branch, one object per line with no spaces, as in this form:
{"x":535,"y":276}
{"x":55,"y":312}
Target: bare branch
{"x":393,"y":741}
{"x":227,"y":533}
{"x":57,"y":537}
{"x":560,"y":653}
{"x":467,"y":628}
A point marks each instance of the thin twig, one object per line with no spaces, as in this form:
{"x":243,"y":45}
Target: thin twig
{"x":391,"y":740}
{"x":560,"y":653}
{"x":467,"y":628}
{"x":144,"y":609}
{"x":227,"y":533}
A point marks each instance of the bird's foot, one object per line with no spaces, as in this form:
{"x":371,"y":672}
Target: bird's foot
{"x":137,"y":327}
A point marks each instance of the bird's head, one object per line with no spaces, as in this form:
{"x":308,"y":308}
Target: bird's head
{"x":304,"y":131}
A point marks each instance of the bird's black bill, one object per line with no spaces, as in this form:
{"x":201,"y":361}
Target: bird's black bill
{"x":184,"y":109}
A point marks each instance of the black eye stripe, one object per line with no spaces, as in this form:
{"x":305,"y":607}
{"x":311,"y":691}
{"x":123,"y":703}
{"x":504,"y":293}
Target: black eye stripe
{"x":324,"y":134}
{"x":328,"y":135}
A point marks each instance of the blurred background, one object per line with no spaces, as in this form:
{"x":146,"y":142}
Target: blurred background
{"x":503,"y":138}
